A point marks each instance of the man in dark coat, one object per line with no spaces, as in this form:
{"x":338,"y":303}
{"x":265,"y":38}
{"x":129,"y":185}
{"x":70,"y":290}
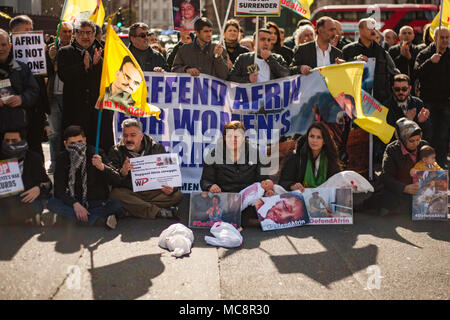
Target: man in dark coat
{"x":37,"y":185}
{"x":366,"y":48}
{"x":80,"y":68}
{"x":317,"y":53}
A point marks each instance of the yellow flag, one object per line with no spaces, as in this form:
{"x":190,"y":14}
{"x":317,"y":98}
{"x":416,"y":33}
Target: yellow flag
{"x":301,"y":7}
{"x":344,"y":83}
{"x":98,"y":16}
{"x":76,"y":10}
{"x":122,"y":86}
{"x":445,"y":21}
{"x":4,"y":15}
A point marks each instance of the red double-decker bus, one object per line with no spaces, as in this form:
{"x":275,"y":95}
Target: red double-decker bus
{"x":389,"y":16}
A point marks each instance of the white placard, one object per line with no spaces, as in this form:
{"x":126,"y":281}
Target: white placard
{"x":246,"y":8}
{"x":10,"y":178}
{"x":29,"y":48}
{"x":153,"y":171}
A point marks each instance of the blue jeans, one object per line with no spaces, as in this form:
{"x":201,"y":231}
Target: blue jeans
{"x":13,"y":210}
{"x":55,"y":123}
{"x":97,"y":209}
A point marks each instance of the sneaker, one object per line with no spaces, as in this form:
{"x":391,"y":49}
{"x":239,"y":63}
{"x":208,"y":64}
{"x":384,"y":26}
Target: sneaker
{"x":169,"y":213}
{"x":111,"y":222}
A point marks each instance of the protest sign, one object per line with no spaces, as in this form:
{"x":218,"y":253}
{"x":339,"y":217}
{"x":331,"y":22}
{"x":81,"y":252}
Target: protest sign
{"x":329,"y":205}
{"x":249,"y":8}
{"x":29,"y":48}
{"x":430,"y":202}
{"x":10,"y":178}
{"x":153,"y":171}
{"x":282,"y":211}
{"x":206,"y":208}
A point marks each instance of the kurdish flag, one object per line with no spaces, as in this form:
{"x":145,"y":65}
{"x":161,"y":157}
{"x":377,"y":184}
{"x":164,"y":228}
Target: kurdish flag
{"x":445,"y":20}
{"x":301,"y":7}
{"x":122,"y":86}
{"x":344,"y":82}
{"x":76,"y":10}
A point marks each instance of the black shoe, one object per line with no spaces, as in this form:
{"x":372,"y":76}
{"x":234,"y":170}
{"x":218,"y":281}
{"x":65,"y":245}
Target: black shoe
{"x":169,"y":213}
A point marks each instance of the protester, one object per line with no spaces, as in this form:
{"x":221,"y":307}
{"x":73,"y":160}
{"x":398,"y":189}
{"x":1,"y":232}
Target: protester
{"x":146,"y":204}
{"x":405,"y":53}
{"x":148,"y":58}
{"x":55,"y":93}
{"x":365,"y":48}
{"x":396,"y":189}
{"x":184,"y":37}
{"x":390,"y":38}
{"x":23,"y":89}
{"x":277,"y":45}
{"x":270,"y":65}
{"x":248,"y":43}
{"x":432,"y":68}
{"x":37,"y":185}
{"x":232,"y":166}
{"x":379,"y":38}
{"x":304,"y":34}
{"x":282,"y":35}
{"x":313,"y":162}
{"x":38,"y":125}
{"x":340,"y":41}
{"x":317,"y":53}
{"x":201,"y":56}
{"x":403,"y":104}
{"x":99,"y":35}
{"x":80,"y":68}
{"x":82,"y":183}
{"x":231,"y":34}
{"x":290,"y":41}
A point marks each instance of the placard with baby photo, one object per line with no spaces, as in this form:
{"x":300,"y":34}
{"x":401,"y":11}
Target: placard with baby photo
{"x":329,"y":205}
{"x":430,"y":202}
{"x":207,"y":208}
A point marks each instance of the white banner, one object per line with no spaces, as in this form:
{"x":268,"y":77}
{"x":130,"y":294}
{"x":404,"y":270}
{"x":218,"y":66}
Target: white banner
{"x":29,"y":48}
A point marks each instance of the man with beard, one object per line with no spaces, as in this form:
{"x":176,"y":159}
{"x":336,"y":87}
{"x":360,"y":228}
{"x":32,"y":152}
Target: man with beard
{"x":80,"y":68}
{"x":146,"y":204}
{"x":28,"y":204}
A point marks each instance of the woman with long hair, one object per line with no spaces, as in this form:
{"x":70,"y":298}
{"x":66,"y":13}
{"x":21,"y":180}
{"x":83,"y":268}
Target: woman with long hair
{"x":277,"y":46}
{"x":313,"y":162}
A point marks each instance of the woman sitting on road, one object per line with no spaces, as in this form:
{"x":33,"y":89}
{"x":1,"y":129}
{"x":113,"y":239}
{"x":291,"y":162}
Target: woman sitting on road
{"x":230,"y":167}
{"x":313,"y":162}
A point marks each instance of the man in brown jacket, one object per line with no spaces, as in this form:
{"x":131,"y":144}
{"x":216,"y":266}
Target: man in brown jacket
{"x":201,"y":56}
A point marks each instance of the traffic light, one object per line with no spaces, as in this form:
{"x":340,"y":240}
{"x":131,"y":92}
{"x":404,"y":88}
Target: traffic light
{"x":119,"y":18}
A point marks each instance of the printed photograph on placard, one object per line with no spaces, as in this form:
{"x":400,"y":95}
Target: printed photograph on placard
{"x":430,"y":202}
{"x":207,"y":208}
{"x":329,"y":205}
{"x":282,"y":211}
{"x":185,"y":14}
{"x":6,"y":90}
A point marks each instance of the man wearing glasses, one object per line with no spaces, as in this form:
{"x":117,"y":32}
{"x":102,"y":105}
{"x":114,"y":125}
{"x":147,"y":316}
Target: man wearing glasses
{"x":148,"y":59}
{"x":80,"y":68}
{"x":403,"y":104}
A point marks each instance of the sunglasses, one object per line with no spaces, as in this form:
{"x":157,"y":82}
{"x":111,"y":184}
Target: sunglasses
{"x":143,"y":35}
{"x":398,"y":89}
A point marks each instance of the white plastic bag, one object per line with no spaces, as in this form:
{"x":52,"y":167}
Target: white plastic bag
{"x":225,"y":235}
{"x":177,"y":238}
{"x":348,"y":179}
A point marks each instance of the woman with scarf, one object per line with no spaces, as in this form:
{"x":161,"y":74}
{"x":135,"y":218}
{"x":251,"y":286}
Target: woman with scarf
{"x":232,"y":166}
{"x":82,"y":183}
{"x":313,"y":162}
{"x":277,"y":46}
{"x":400,"y":156}
{"x":28,"y":204}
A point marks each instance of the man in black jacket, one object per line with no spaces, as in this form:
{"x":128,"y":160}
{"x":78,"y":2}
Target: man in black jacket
{"x":148,"y":59}
{"x":270,"y":65}
{"x":82,"y":183}
{"x":80,"y":68}
{"x":146,"y":204}
{"x":405,"y":53}
{"x":184,"y":37}
{"x":37,"y":185}
{"x":432,"y":68}
{"x":317,"y":53}
{"x":366,"y":48}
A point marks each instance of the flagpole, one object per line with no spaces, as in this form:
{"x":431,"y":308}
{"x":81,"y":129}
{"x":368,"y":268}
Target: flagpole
{"x":217,"y":16}
{"x":222,"y":36}
{"x":60,"y":22}
{"x":256,"y":39}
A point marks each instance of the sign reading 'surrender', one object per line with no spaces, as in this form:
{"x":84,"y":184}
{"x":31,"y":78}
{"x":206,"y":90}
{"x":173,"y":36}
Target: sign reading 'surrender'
{"x":29,"y":48}
{"x":248,"y":8}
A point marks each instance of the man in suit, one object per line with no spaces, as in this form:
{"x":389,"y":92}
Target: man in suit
{"x":317,"y":53}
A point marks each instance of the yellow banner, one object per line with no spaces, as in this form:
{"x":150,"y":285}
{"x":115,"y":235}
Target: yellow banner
{"x":445,"y":21}
{"x":122,"y":86}
{"x":77,"y":10}
{"x":98,"y":16}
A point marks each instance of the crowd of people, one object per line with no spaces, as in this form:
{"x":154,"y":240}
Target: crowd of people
{"x":413,"y":81}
